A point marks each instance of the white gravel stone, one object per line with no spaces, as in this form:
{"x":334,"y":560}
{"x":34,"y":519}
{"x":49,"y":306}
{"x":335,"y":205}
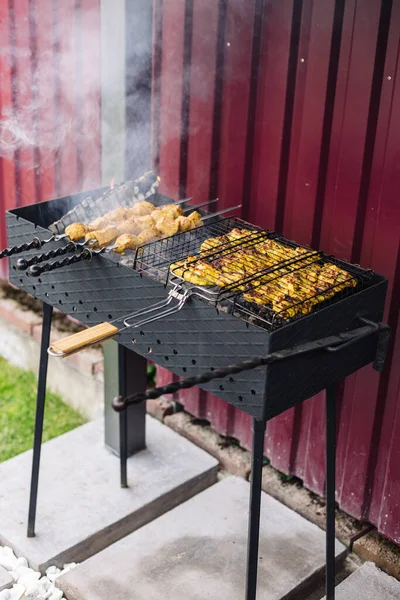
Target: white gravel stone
{"x":7,"y":563}
{"x":28,"y":582}
{"x":56,"y":595}
{"x":17,"y":591}
{"x":45,"y":582}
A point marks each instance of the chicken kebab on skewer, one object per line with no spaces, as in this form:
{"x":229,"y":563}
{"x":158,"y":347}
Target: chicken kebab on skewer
{"x":129,"y":228}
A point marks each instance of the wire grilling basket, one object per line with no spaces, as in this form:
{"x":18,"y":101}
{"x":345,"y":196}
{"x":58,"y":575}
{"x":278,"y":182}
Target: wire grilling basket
{"x":255,"y":274}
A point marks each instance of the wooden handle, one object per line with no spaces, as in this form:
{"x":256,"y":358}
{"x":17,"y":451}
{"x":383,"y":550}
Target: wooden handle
{"x":79,"y":341}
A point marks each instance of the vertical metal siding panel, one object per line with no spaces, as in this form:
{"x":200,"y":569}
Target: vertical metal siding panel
{"x":235,"y":98}
{"x":23,"y":101}
{"x":356,"y":79}
{"x":171,"y":95}
{"x":89,"y":52}
{"x":300,"y":205}
{"x":30,"y":84}
{"x":238,"y":47}
{"x":358,"y":405}
{"x":66,"y":34}
{"x":7,"y":165}
{"x":385,"y":509}
{"x":170,"y":118}
{"x":263,"y":206}
{"x":381,"y":249}
{"x":202,"y":89}
{"x":270,"y":113}
{"x":46,"y":98}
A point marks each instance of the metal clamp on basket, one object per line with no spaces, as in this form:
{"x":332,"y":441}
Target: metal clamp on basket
{"x":105,"y":331}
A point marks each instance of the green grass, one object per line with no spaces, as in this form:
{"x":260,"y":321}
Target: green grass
{"x":17,"y":412}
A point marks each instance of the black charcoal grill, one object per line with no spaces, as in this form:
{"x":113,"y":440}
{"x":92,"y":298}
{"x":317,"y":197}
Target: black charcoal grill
{"x":255,"y":359}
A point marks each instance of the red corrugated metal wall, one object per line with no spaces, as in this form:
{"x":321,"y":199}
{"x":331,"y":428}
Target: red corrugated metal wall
{"x":49,"y":101}
{"x":293,"y":109}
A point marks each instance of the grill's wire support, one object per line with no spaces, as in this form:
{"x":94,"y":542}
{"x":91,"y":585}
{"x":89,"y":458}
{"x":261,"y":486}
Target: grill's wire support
{"x":40,"y":405}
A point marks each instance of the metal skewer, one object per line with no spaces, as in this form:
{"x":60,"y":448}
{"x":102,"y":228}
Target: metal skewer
{"x":72,"y":246}
{"x":36,"y":270}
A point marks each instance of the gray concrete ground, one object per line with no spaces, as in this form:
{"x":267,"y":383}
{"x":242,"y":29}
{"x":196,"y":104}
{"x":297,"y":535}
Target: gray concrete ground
{"x":198,"y":551}
{"x":81,"y":506}
{"x":368,"y":583}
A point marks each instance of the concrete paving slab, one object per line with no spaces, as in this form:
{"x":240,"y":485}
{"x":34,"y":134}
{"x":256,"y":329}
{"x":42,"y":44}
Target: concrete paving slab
{"x":81,"y":507}
{"x":6,"y":581}
{"x":198,"y":551}
{"x":368,"y":583}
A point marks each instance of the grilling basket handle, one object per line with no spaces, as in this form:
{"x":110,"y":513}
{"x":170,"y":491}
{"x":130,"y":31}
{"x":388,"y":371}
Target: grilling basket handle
{"x":84,"y":339}
{"x":72,"y":344}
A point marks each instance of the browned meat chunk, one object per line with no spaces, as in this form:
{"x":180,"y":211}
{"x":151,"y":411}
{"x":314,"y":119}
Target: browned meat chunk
{"x":76,"y":231}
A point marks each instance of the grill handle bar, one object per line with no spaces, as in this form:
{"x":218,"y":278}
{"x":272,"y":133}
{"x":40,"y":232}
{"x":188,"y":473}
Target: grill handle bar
{"x":37,"y":270}
{"x":176,"y":293}
{"x":121,"y":403}
{"x":36,"y":243}
{"x":100,"y":333}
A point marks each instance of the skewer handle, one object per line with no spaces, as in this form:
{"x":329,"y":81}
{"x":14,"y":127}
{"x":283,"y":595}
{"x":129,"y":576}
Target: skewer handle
{"x":24,"y":263}
{"x":78,"y":341}
{"x":35,"y":243}
{"x":37,"y":270}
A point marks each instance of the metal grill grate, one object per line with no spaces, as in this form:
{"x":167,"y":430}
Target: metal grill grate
{"x":257,"y":275}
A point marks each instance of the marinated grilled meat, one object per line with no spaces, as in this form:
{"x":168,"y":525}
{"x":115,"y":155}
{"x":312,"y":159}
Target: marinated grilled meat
{"x":143,"y":220}
{"x":103,"y":237}
{"x":289,"y":281}
{"x":125,"y":242}
{"x":76,"y":231}
{"x":167,"y":226}
{"x":140,"y":209}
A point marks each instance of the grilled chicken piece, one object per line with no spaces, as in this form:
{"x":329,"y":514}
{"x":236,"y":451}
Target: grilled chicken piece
{"x":129,"y":226}
{"x":167,"y":227}
{"x":99,"y":223}
{"x":119,"y":214}
{"x":126,"y":242}
{"x":144,"y":222}
{"x":184,"y":224}
{"x":103,"y":237}
{"x":195,"y":218}
{"x":76,"y":231}
{"x":196,"y":272}
{"x":142,"y":208}
{"x":171,"y":211}
{"x":148,"y":235}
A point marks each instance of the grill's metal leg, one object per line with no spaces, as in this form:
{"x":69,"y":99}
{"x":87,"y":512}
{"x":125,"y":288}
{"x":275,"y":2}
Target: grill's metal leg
{"x":40,"y":403}
{"x":330,"y":491}
{"x":132,"y":422}
{"x":123,"y":421}
{"x":255,"y":507}
{"x":123,"y":450}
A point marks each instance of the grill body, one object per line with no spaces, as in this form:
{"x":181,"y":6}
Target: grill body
{"x":199,"y":338}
